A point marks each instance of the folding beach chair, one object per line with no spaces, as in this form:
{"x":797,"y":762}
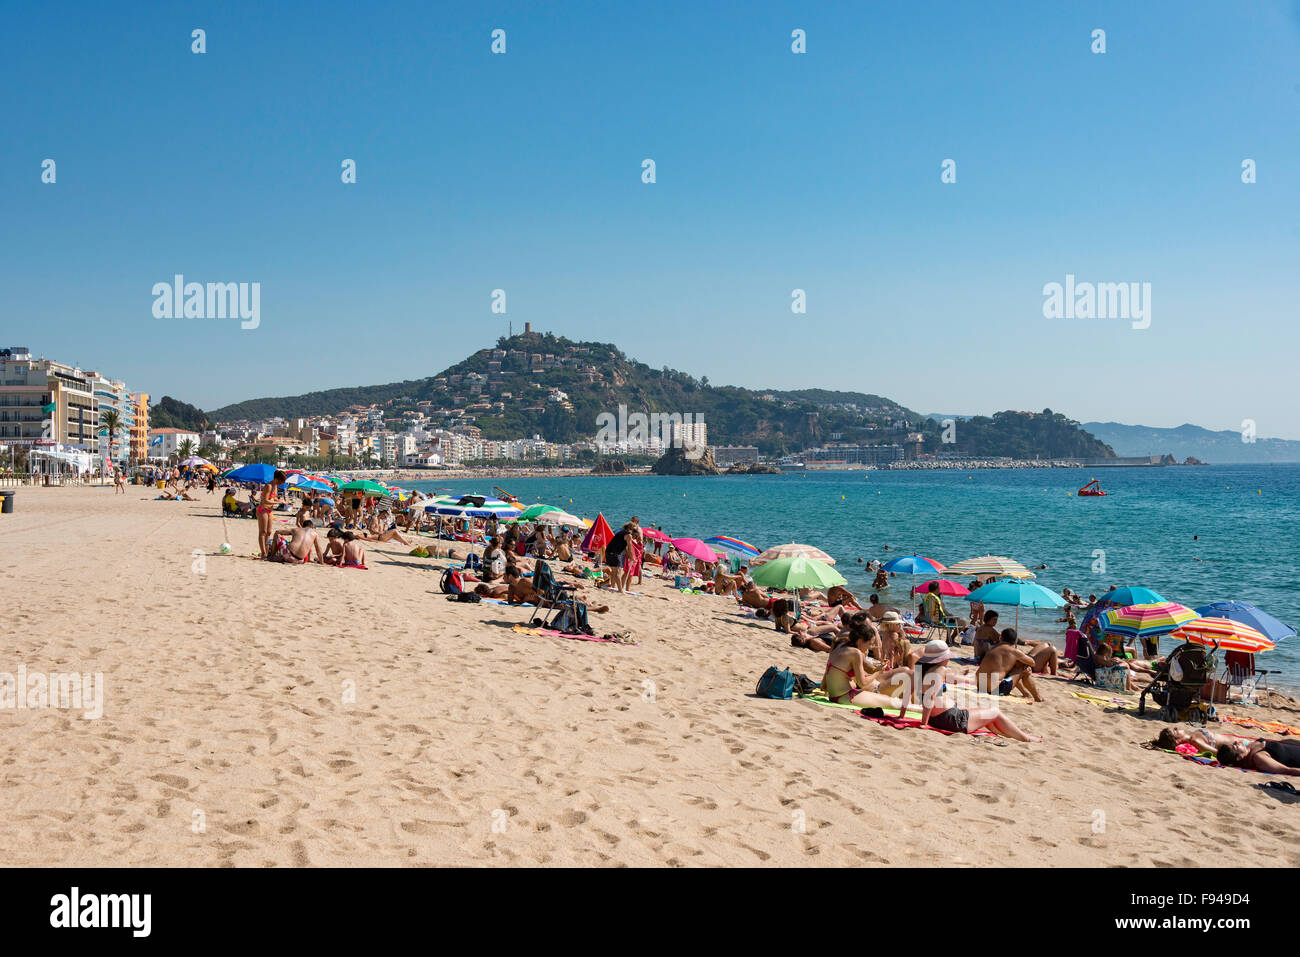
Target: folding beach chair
{"x":1240,"y":673}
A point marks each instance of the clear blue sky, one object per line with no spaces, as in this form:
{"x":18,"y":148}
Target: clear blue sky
{"x":775,"y":171}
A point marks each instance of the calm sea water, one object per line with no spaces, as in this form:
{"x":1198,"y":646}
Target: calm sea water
{"x":1193,"y":534}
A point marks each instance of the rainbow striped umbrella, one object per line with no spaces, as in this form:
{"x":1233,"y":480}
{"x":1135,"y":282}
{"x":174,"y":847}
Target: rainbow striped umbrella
{"x":991,"y":565}
{"x":1229,"y":635}
{"x":793,"y":550}
{"x":1148,"y":620}
{"x":733,"y":545}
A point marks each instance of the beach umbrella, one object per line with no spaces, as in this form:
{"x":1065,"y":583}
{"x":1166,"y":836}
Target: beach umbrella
{"x":991,"y":565}
{"x":309,"y":485}
{"x":532,"y":511}
{"x":726,"y":543}
{"x":695,"y":549}
{"x":557,"y":517}
{"x":196,"y":461}
{"x":1147,"y":621}
{"x":252,"y":473}
{"x":1017,"y":593}
{"x":598,"y":536}
{"x":655,"y":535}
{"x":914,"y":565}
{"x":476,"y":507}
{"x":947,"y":586}
{"x":1227,"y":634}
{"x":1133,"y":596}
{"x":793,"y":550}
{"x":790,"y":574}
{"x":367,"y":488}
{"x":1248,"y":614}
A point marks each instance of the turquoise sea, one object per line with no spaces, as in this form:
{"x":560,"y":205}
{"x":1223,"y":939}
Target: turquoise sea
{"x":1194,"y":534}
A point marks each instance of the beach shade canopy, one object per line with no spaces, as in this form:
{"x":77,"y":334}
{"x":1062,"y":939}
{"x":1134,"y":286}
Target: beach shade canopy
{"x":734,"y":545}
{"x":655,"y":535}
{"x":1149,"y":620}
{"x":1227,"y":634}
{"x":1248,"y":614}
{"x":1133,"y":596}
{"x":997,"y":565}
{"x":914,"y":565}
{"x":598,"y":536}
{"x":946,"y":587}
{"x":789,"y":574}
{"x":793,"y":550}
{"x":695,"y":549}
{"x":252,"y":473}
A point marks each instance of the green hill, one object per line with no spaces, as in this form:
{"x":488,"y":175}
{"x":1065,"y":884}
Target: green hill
{"x":522,"y":374}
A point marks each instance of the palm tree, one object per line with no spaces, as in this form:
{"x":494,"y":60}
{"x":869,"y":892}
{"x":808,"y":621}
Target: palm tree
{"x":185,"y":449}
{"x":110,"y":421}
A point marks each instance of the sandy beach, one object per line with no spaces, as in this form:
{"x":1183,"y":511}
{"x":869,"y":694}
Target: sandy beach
{"x":230,"y":736}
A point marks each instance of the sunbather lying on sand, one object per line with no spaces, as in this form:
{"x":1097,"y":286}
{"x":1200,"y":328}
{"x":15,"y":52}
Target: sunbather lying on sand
{"x":1273,"y":757}
{"x":1174,"y":735}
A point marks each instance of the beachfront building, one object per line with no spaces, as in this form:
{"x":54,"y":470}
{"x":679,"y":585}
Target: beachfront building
{"x":46,"y":404}
{"x":693,"y":434}
{"x":112,"y":395}
{"x":164,"y":443}
{"x":139,"y":436}
{"x":728,"y":455}
{"x":847,"y":454}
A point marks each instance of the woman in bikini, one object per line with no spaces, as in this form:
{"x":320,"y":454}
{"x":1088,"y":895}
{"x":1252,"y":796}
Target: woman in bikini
{"x":852,"y":675}
{"x":266,"y":502}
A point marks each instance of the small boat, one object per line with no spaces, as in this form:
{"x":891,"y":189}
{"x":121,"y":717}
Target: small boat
{"x":1092,"y":489}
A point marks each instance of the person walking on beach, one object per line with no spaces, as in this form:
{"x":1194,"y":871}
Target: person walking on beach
{"x":267,"y":500}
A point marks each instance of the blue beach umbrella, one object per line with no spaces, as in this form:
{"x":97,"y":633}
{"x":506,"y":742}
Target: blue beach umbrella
{"x":1248,"y":614}
{"x":1018,"y":593}
{"x":1135,"y":595}
{"x":252,"y":473}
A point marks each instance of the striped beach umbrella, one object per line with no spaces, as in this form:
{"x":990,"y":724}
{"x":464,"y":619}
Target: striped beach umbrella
{"x":1148,"y":620}
{"x":472,"y":506}
{"x":729,"y":544}
{"x":793,"y":550}
{"x":1229,"y":635}
{"x":1248,"y":614}
{"x":997,"y":565}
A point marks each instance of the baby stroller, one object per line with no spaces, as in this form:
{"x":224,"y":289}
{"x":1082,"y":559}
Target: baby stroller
{"x":1178,"y":684}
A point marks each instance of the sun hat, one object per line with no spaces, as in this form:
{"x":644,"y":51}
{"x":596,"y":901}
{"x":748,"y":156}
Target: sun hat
{"x":935,"y":652}
{"x":891,"y":616}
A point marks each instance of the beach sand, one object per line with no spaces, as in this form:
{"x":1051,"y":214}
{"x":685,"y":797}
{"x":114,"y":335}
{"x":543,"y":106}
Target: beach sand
{"x":228,"y":738}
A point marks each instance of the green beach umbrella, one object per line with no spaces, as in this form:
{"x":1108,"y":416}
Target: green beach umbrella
{"x":532,"y":511}
{"x":367,"y":488}
{"x":789,"y":574}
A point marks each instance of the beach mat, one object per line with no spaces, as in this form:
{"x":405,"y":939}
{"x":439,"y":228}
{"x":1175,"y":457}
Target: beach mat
{"x":551,"y":633}
{"x":1102,"y":702}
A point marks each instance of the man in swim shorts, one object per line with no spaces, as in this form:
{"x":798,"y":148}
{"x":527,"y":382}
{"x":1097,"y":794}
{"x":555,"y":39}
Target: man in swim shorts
{"x":1005,"y":668}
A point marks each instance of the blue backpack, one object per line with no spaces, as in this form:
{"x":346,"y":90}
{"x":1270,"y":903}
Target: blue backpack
{"x":775,"y":684}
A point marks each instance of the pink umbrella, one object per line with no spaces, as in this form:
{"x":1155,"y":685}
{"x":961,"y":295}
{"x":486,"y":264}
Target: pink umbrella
{"x":695,"y":549}
{"x":946,"y":587}
{"x":655,"y":535}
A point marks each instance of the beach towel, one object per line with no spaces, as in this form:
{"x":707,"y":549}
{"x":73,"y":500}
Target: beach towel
{"x":819,"y":697}
{"x":1105,"y":702}
{"x":891,"y":721}
{"x":1204,"y":758}
{"x":551,"y":633}
{"x":1273,"y":727}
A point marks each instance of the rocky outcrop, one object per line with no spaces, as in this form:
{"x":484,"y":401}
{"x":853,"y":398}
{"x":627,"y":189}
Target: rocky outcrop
{"x":677,"y":462}
{"x":610,"y":467}
{"x":756,"y":468}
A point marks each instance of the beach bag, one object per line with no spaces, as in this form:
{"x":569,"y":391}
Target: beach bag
{"x":452,"y":583}
{"x":804,"y":686}
{"x":498,"y":564}
{"x":775,"y":683}
{"x":473,"y":562}
{"x":466,"y":598}
{"x":572,"y":620}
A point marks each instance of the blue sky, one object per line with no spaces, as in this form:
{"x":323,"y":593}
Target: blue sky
{"x":775,"y":171}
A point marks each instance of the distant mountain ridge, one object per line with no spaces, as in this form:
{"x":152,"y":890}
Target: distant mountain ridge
{"x":1192,"y":440}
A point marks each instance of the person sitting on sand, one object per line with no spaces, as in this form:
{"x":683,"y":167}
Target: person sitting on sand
{"x":895,"y":647}
{"x":354,"y":556}
{"x":494,"y":561}
{"x":1271,"y":757}
{"x":333,"y":547}
{"x":875,"y":610}
{"x":298,"y":548}
{"x":1005,"y":668}
{"x":379,"y":530}
{"x":940,"y":711}
{"x":986,"y":636}
{"x":852,"y":674}
{"x":724,"y":584}
{"x":841,"y":596}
